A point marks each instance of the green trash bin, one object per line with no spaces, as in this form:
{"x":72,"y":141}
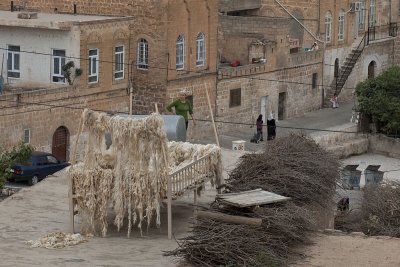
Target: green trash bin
{"x":351,"y":177}
{"x":372,"y":175}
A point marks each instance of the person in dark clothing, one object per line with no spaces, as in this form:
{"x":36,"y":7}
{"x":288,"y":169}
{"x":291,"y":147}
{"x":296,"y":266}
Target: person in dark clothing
{"x":271,"y":127}
{"x":343,"y":204}
{"x":259,"y":124}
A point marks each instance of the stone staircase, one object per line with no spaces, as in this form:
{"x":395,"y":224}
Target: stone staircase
{"x":340,"y":143}
{"x":344,"y":72}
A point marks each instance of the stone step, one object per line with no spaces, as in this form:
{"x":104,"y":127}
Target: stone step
{"x":327,"y":139}
{"x":349,"y":148}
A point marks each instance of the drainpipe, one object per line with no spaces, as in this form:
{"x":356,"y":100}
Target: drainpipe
{"x":315,"y":38}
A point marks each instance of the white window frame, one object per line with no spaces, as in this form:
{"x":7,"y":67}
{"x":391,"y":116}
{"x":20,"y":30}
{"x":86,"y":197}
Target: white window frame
{"x":200,"y":49}
{"x":371,"y":13}
{"x":27,"y":135}
{"x":143,"y":54}
{"x":180,"y":52}
{"x":119,"y":62}
{"x":361,"y":16}
{"x":15,"y":66}
{"x":61,"y":62}
{"x":341,"y":25}
{"x":328,"y":27}
{"x":93,"y":66}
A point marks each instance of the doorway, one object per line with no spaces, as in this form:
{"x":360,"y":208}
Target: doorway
{"x":336,"y":70}
{"x":264,"y":107}
{"x":371,"y":70}
{"x":60,"y":143}
{"x":281,"y":106}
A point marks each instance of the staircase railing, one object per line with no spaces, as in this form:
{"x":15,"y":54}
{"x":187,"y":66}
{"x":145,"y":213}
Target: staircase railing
{"x":345,"y":73}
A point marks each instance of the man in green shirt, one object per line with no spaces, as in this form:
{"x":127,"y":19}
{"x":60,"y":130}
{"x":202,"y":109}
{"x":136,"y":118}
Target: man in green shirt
{"x":182,"y":107}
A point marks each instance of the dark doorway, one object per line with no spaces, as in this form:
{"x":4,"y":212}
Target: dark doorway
{"x":371,"y":70}
{"x":60,"y":143}
{"x":336,"y":71}
{"x":281,"y":106}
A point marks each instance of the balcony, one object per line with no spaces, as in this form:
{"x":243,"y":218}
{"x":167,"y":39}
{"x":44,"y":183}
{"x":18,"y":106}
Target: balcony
{"x":251,"y":69}
{"x":238,"y":5}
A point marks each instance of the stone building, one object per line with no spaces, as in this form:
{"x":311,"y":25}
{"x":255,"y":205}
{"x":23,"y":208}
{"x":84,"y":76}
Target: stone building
{"x":39,"y":105}
{"x":167,"y":46}
{"x":356,"y":40}
{"x":277,"y":74}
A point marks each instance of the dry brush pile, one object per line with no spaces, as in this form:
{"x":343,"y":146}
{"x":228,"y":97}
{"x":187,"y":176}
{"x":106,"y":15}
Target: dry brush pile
{"x":293,"y":166}
{"x":379,"y":213}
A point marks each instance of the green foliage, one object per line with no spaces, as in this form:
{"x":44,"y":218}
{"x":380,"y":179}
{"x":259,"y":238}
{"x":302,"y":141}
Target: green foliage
{"x":18,"y":154}
{"x":380,"y":99}
{"x":67,"y":68}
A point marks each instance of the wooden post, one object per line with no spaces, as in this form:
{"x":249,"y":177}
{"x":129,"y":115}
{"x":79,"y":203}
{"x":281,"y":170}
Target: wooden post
{"x":222,"y":217}
{"x":71,"y":195}
{"x":169,"y":191}
{"x":212,"y":116}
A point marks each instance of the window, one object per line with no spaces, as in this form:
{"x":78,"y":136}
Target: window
{"x":235,"y":97}
{"x":93,"y":65}
{"x":143,"y":54}
{"x":314,"y":80}
{"x":58,"y":62}
{"x":341,"y":25}
{"x":180,"y":53}
{"x":13,"y":64}
{"x":200,"y":50}
{"x":361,"y":16}
{"x":51,"y":160}
{"x":328,"y":27}
{"x":119,"y":63}
{"x":372,"y":13}
{"x":27,"y":136}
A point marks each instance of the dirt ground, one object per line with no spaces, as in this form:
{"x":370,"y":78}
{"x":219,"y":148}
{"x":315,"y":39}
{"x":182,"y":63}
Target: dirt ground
{"x":36,"y":211}
{"x":354,"y":250}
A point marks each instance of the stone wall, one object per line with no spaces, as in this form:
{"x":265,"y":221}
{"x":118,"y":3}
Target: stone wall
{"x":300,"y":96}
{"x":384,"y":145}
{"x":381,"y":52}
{"x":53,"y":108}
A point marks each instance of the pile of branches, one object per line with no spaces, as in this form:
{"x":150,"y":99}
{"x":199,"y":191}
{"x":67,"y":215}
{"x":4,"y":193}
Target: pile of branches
{"x":293,"y":166}
{"x":380,"y":210}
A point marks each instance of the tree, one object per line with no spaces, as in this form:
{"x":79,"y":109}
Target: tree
{"x":379,"y":98}
{"x":17,"y":154}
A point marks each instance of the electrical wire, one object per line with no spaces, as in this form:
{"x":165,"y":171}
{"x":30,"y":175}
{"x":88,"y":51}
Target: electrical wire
{"x":172,"y":69}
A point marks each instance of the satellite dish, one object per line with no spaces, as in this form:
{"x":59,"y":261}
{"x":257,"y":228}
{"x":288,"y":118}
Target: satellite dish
{"x":1,"y":84}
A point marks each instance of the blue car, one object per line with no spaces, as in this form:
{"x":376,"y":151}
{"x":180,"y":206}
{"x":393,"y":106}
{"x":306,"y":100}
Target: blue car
{"x":40,"y":165}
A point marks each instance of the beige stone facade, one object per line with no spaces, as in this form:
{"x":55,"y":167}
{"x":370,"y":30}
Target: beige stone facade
{"x":157,"y":81}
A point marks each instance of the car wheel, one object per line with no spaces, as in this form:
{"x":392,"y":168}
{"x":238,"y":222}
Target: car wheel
{"x":33,"y":180}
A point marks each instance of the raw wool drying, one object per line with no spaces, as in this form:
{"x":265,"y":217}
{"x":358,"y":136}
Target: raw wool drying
{"x":57,"y":240}
{"x":183,"y":153}
{"x":131,"y":175}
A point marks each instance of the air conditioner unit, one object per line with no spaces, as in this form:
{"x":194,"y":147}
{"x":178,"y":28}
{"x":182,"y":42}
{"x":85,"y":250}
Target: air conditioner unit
{"x":355,"y":7}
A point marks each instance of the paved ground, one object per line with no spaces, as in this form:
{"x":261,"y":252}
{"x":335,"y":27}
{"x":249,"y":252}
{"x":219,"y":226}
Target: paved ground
{"x":310,"y":123}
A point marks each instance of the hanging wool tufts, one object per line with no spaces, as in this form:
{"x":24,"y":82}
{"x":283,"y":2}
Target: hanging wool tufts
{"x":182,"y":153}
{"x":131,"y":175}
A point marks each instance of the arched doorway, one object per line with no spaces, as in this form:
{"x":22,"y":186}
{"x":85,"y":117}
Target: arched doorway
{"x":60,"y":143}
{"x":371,"y":69}
{"x":336,"y":71}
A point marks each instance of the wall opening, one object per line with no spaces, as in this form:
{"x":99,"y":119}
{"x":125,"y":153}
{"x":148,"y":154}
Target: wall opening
{"x":60,"y":144}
